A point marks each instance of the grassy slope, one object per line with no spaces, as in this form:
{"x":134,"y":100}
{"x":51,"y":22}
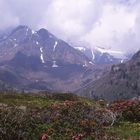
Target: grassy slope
{"x":60,"y":116}
{"x":127,"y":130}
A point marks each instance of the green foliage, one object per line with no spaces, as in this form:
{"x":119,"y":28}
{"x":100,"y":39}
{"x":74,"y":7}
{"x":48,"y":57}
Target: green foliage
{"x":126,"y":130}
{"x":64,"y":96}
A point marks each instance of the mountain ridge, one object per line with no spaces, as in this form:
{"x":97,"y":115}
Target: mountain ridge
{"x":121,"y":82}
{"x":38,"y":57}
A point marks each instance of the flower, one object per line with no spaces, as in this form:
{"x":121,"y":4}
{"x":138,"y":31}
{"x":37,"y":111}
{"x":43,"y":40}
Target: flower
{"x":44,"y":136}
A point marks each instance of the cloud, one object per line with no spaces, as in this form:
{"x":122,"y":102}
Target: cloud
{"x":22,"y":12}
{"x":72,"y":19}
{"x":115,"y":23}
{"x":6,"y":16}
{"x":109,"y":24}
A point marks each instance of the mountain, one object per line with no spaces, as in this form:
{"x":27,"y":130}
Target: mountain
{"x":123,"y":81}
{"x":4,"y":33}
{"x":100,"y":55}
{"x":2,"y":36}
{"x":38,"y":60}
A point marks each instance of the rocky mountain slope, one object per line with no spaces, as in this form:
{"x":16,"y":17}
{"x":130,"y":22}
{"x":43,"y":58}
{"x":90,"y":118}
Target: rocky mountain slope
{"x":123,"y":81}
{"x":37,"y":60}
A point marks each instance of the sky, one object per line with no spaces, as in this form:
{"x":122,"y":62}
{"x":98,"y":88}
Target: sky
{"x":110,"y":24}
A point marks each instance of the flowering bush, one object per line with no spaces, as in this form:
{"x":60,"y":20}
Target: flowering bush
{"x":59,"y":120}
{"x":62,"y":118}
{"x":127,"y":109}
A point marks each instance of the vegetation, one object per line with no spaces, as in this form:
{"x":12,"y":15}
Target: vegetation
{"x":66,"y":117}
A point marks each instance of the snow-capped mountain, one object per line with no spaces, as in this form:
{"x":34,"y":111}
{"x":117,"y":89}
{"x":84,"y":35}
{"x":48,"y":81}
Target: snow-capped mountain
{"x":41,"y":44}
{"x":100,"y":55}
{"x":39,"y":60}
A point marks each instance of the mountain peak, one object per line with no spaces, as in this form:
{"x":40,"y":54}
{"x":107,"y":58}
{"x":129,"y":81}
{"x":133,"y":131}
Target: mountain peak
{"x":44,"y":33}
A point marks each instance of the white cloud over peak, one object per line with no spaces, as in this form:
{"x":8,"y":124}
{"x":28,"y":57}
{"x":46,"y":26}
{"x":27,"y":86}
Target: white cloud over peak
{"x":72,"y":18}
{"x":113,"y":25}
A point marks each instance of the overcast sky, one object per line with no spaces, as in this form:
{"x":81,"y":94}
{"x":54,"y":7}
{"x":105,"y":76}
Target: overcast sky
{"x":107,"y":23}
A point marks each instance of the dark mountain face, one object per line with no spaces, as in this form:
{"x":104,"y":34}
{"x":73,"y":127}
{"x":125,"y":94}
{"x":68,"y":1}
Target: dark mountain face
{"x":123,"y":81}
{"x":39,"y":60}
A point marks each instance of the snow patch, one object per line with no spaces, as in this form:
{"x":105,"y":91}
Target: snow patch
{"x":122,"y":61}
{"x":80,"y":48}
{"x":54,"y":64}
{"x":42,"y":59}
{"x":93,"y":56}
{"x":37,"y":42}
{"x":33,"y":32}
{"x":90,"y":62}
{"x":55,"y":45}
{"x":85,"y":65}
{"x":41,"y":50}
{"x":41,"y":55}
